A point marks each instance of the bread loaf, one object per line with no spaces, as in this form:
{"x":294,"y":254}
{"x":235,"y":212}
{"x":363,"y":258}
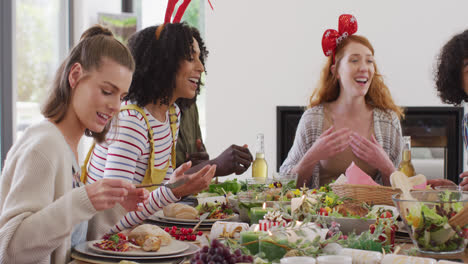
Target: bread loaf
{"x":142,"y":232}
{"x":151,"y":243}
{"x":181,"y":211}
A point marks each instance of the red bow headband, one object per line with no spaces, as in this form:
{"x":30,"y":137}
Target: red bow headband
{"x":180,"y":12}
{"x":347,"y":26}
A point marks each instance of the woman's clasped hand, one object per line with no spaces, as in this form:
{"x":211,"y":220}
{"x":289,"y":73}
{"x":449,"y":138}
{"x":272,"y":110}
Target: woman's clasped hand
{"x":370,"y":151}
{"x":330,"y":143}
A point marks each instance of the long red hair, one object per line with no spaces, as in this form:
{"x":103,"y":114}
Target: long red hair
{"x":328,"y":88}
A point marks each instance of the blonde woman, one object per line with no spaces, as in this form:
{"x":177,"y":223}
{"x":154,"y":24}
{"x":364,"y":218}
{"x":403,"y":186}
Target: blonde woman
{"x":43,"y":207}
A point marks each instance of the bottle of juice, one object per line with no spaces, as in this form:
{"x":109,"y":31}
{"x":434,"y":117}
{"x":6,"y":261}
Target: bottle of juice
{"x":259,"y":166}
{"x":405,"y":165}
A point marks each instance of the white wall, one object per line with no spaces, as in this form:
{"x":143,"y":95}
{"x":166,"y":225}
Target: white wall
{"x":265,"y":53}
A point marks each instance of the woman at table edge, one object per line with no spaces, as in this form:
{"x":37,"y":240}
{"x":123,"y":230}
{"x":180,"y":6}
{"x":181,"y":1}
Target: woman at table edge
{"x":44,"y":210}
{"x":452,"y":86}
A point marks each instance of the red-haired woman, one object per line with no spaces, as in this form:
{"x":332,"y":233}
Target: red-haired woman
{"x":351,"y":117}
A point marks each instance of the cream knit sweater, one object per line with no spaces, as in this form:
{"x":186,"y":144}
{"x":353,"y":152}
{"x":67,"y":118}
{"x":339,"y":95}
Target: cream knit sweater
{"x":38,"y":207}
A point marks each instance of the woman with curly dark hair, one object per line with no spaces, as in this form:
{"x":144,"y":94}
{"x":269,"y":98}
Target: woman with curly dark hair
{"x":452,"y":70}
{"x":452,"y":81}
{"x":141,"y":147}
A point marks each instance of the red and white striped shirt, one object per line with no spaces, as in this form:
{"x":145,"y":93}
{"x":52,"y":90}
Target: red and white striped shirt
{"x":125,"y":153}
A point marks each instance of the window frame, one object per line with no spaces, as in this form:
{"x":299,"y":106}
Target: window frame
{"x":6,"y":76}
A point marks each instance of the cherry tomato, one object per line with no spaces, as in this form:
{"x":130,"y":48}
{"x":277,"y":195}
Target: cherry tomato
{"x":323,"y":211}
{"x":386,"y":214}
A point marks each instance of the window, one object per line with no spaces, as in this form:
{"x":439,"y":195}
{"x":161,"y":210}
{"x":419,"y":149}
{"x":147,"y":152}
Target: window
{"x":41,"y":41}
{"x":34,"y":39}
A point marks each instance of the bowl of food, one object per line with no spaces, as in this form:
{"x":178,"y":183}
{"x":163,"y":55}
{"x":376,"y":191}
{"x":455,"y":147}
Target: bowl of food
{"x":454,"y":188}
{"x":427,"y":215}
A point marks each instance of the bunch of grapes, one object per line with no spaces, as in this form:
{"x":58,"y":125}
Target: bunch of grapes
{"x":183,"y":233}
{"x":219,"y":253}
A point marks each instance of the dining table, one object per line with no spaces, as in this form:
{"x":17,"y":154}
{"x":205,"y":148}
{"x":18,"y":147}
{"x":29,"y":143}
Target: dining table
{"x":403,"y":243}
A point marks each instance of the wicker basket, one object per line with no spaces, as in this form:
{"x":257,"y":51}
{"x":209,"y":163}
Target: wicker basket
{"x":366,"y":193}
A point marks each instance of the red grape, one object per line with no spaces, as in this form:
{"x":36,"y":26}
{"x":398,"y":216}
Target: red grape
{"x":219,"y":253}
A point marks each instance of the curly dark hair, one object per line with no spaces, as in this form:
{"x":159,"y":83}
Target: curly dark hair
{"x":448,"y":77}
{"x":158,"y":60}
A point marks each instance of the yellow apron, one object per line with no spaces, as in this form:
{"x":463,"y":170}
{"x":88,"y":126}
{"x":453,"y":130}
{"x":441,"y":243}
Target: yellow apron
{"x":152,"y":174}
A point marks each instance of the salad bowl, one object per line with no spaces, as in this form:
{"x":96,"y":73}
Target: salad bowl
{"x":357,"y":224}
{"x":426,"y":215}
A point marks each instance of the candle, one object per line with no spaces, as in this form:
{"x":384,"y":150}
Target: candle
{"x":257,"y":213}
{"x":265,"y":225}
{"x":273,"y":247}
{"x":298,"y":260}
{"x":334,"y":260}
{"x":249,"y":236}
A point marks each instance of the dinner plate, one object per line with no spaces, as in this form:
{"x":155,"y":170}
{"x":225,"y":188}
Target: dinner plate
{"x":174,"y":247}
{"x":160,"y":214}
{"x":164,"y":223}
{"x":84,"y":249}
{"x":192,"y":224}
{"x":82,"y":258}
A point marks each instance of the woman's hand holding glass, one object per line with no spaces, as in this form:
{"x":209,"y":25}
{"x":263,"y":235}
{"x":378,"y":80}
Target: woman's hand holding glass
{"x":196,"y":182}
{"x":105,"y":193}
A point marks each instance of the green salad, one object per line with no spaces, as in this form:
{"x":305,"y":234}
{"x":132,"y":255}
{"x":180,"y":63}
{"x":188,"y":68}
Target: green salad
{"x":429,"y":224}
{"x":232,"y":186}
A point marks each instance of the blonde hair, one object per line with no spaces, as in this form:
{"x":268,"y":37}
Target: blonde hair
{"x":95,"y":43}
{"x":328,"y":88}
